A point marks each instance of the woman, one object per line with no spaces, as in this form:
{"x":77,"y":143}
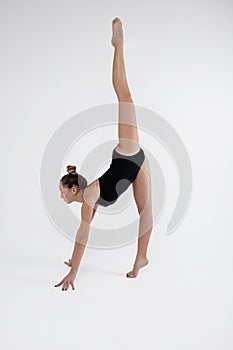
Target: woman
{"x":129,"y":165}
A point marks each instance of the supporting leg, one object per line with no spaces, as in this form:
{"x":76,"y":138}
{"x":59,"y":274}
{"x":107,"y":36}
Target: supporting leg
{"x":143,"y":199}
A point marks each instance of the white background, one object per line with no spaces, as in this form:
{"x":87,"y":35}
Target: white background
{"x":56,"y":60}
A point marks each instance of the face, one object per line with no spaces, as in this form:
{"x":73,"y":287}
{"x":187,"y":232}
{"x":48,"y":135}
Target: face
{"x":67,"y":194}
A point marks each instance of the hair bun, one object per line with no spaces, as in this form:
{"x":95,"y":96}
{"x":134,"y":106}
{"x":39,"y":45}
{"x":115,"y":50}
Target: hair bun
{"x":71,"y":169}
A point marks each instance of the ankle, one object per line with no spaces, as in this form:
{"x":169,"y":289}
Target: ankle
{"x":141,"y":257}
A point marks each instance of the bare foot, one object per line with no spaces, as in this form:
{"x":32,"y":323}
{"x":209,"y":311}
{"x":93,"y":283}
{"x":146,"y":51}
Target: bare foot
{"x":137,"y":265}
{"x":117,"y":32}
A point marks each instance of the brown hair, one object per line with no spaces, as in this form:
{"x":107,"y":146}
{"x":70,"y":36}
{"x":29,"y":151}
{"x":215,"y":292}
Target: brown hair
{"x":73,"y":178}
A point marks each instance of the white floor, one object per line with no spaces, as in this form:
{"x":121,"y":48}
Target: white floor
{"x":56,"y":61}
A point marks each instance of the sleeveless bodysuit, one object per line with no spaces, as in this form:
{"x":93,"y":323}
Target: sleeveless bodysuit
{"x":122,"y":172}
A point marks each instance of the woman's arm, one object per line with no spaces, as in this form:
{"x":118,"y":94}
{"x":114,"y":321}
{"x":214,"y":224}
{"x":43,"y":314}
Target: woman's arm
{"x":69,"y":263}
{"x":87,"y":213}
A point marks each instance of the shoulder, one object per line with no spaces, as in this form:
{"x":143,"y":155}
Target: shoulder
{"x":91,"y":194}
{"x":88,"y":207}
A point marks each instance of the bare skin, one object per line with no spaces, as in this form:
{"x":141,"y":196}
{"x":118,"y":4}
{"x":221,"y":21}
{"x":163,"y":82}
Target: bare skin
{"x":117,"y":32}
{"x":128,"y":145}
{"x":142,"y":184}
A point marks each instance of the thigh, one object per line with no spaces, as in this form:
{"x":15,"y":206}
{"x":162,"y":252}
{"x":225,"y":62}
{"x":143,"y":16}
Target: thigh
{"x":142,"y":189}
{"x":127,"y":149}
{"x":127,"y":128}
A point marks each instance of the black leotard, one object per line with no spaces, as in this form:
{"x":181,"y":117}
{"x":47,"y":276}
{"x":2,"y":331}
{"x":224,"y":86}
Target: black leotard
{"x":121,"y":173}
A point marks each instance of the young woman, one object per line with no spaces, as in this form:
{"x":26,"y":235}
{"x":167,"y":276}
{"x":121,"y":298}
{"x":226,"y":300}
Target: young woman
{"x":129,"y":165}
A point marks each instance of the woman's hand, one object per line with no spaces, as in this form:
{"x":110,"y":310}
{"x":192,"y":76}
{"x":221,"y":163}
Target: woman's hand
{"x":67,"y":281}
{"x":68,"y":263}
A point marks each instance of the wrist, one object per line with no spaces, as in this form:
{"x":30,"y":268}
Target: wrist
{"x":73,"y":271}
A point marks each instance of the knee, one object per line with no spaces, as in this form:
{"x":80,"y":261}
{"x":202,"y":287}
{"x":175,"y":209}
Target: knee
{"x":146,"y":214}
{"x":125,"y":96}
{"x":145,"y":207}
{"x":140,"y":210}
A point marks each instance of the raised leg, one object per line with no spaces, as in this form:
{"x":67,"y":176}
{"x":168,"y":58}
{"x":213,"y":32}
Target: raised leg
{"x":142,"y":196}
{"x":127,"y":124}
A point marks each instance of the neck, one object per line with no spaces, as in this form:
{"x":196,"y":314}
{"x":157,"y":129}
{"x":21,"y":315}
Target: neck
{"x":79,"y":197}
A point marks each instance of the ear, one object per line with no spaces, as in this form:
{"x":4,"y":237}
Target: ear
{"x":75,"y":189}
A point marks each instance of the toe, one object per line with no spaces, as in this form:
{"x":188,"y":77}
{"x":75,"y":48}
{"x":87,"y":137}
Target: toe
{"x":130,"y":274}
